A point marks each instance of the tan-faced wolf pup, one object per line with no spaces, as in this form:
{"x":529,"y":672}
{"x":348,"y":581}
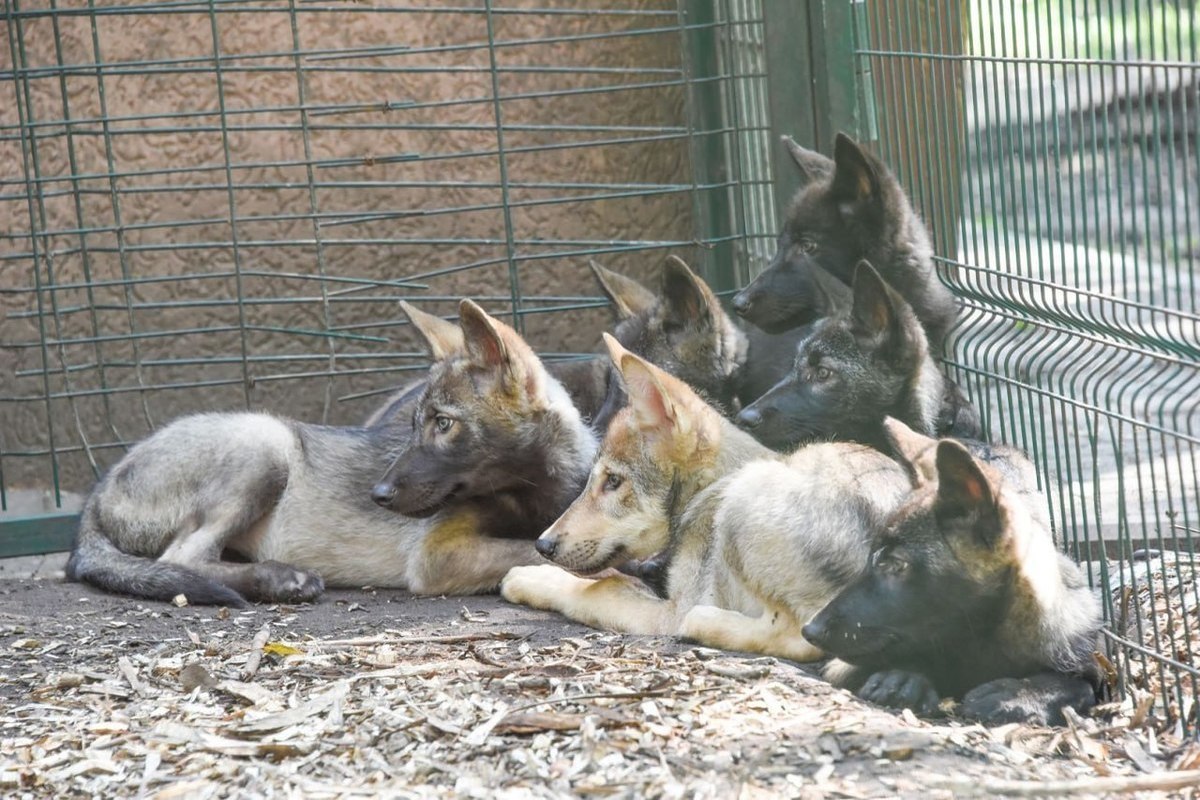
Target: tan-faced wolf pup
{"x":755,"y":542}
{"x":966,"y":596}
{"x":494,"y":449}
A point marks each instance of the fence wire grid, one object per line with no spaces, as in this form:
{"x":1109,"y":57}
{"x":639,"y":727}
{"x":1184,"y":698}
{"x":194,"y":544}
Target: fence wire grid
{"x":217,"y":204}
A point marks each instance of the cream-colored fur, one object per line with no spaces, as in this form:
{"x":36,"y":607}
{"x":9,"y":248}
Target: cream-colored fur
{"x":757,"y":544}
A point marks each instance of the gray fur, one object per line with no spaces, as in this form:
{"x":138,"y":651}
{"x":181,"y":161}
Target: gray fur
{"x":295,"y":500}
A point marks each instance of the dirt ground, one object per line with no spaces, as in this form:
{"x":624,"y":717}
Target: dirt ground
{"x":383,"y":694}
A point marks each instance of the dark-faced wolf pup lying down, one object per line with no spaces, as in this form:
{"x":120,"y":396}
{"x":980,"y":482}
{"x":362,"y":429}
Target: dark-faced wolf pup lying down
{"x":492,"y":452}
{"x":965,"y":595}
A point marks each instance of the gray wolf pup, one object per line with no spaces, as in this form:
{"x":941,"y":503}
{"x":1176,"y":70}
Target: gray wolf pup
{"x":869,"y":360}
{"x":966,"y":596}
{"x":499,"y":448}
{"x":850,"y":208}
{"x":755,"y":542}
{"x":683,"y":329}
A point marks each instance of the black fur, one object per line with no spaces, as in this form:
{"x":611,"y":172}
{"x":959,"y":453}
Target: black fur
{"x":942,"y":611}
{"x":868,"y":361}
{"x":851,"y":209}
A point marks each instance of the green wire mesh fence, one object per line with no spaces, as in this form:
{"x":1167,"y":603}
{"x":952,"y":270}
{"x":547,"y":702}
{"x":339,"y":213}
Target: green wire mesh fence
{"x":211,"y":204}
{"x":1053,"y":146}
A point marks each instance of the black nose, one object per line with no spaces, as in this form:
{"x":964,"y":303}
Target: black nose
{"x":546,"y":547}
{"x":815,"y":631}
{"x":741,"y":303}
{"x":749,"y":418}
{"x":383,"y":494}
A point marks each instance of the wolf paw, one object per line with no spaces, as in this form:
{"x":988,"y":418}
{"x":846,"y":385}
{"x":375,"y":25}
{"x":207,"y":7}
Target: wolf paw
{"x":539,"y":586}
{"x":1037,"y":700}
{"x":897,"y":688}
{"x":280,"y":583}
{"x":708,"y":625}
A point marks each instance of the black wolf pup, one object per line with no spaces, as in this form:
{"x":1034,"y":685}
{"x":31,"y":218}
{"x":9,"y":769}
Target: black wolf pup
{"x":850,"y":208}
{"x":966,"y":596}
{"x":867,"y":361}
{"x":500,"y":452}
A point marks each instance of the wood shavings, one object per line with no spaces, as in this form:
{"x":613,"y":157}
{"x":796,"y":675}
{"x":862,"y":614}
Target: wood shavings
{"x":509,"y":703}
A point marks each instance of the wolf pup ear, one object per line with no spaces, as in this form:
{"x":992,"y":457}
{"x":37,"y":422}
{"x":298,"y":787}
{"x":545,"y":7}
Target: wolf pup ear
{"x":627,"y":296}
{"x":493,"y":345}
{"x":649,"y":399}
{"x":874,"y":310}
{"x":830,"y":296}
{"x":965,"y":502}
{"x":914,"y":451}
{"x":812,"y":165}
{"x":855,"y":175}
{"x":688,"y":298}
{"x":442,"y":337}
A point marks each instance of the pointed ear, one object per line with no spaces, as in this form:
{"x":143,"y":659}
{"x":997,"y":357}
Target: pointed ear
{"x":615,"y":349}
{"x":914,"y":451}
{"x":688,"y":298}
{"x":812,"y":165}
{"x":493,"y":345}
{"x":627,"y":296}
{"x":856,"y":173}
{"x":652,"y":405}
{"x":965,"y":501}
{"x":442,"y":337}
{"x":874,"y":310}
{"x":830,"y":296}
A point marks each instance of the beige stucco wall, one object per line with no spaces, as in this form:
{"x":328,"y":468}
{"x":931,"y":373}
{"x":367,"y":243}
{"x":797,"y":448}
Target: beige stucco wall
{"x":154,"y":241}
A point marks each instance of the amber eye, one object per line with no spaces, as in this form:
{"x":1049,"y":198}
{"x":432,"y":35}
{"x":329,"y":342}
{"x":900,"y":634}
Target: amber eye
{"x":613,"y":482}
{"x":443,"y":423}
{"x":808,"y":245}
{"x":822,"y":374}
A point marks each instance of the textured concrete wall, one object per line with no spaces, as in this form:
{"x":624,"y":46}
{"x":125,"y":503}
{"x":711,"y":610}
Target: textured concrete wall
{"x":176,"y":224}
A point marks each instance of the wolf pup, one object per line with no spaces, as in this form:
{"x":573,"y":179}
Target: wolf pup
{"x":755,"y":543}
{"x":850,"y":208}
{"x":587,"y":381}
{"x":867,"y":361}
{"x":494,"y":449}
{"x":684,"y":330}
{"x":1015,"y":641}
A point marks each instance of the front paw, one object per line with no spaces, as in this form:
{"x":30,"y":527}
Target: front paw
{"x":276,"y":582}
{"x":540,"y":586}
{"x":705,"y":625}
{"x":1037,"y":700}
{"x":897,"y":688}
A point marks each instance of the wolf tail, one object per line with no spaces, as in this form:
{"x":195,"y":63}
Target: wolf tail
{"x":96,"y":560}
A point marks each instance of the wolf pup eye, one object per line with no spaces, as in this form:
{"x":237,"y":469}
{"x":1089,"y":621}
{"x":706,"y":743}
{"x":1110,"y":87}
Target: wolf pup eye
{"x":613,"y":482}
{"x":808,"y":245}
{"x":822,"y":374}
{"x":443,"y":423}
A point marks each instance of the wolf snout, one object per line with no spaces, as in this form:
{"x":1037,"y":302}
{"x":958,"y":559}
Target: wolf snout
{"x":546,"y":547}
{"x":749,"y":418}
{"x":741,"y":303}
{"x":384,"y":494}
{"x":816,"y":632}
